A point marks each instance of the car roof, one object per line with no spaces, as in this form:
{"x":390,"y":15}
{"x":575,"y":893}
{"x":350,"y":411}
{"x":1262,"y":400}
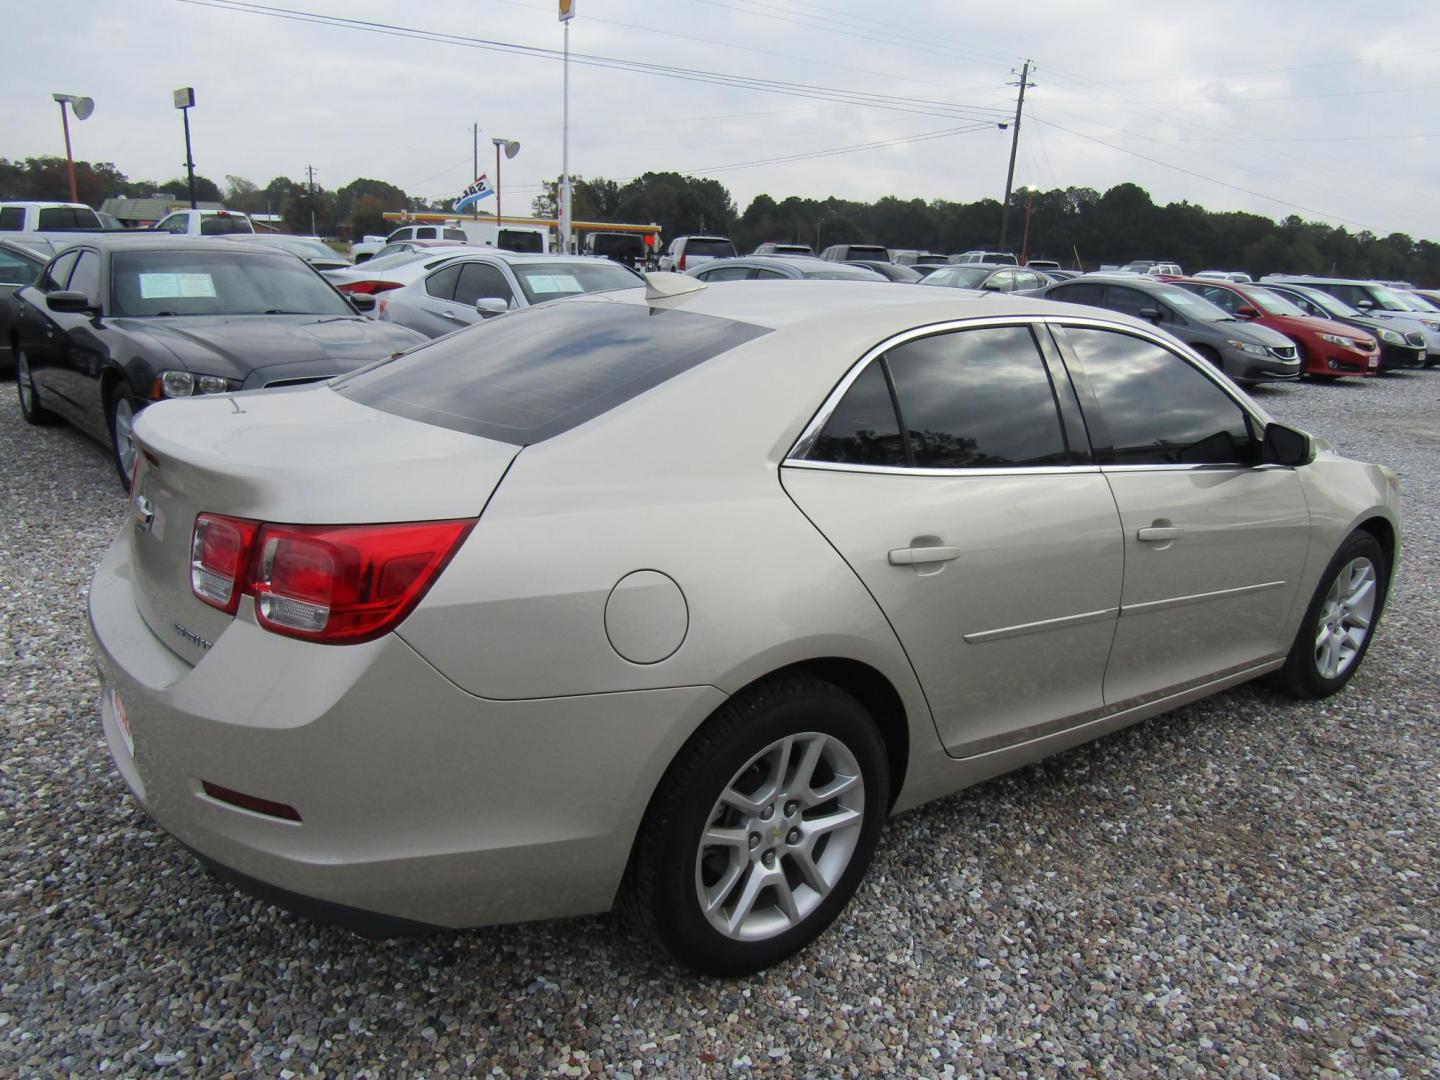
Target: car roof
{"x":1143,"y":281}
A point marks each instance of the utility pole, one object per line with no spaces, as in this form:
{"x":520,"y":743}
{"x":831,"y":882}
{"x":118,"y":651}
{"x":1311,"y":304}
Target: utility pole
{"x":1014,"y":146}
{"x":310,"y":172}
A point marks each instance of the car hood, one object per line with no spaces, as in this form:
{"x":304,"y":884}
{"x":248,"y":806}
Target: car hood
{"x":1245,"y":331}
{"x":235,"y":346}
{"x":1310,"y":324}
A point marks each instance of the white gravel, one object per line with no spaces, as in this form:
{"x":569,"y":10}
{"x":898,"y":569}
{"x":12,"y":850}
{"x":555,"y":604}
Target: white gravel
{"x":1246,"y":887}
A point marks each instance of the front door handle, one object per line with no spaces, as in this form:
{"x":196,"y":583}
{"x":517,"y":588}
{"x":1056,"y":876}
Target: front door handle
{"x":449,"y":315}
{"x":1156,"y":534}
{"x":918,"y":556}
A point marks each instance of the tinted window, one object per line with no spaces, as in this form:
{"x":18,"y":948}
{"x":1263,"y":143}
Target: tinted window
{"x":764,"y":274}
{"x":1221,"y":298}
{"x":482,"y":281}
{"x":1197,"y":424}
{"x":524,"y":377}
{"x":12,"y":219}
{"x":86,"y":278}
{"x":869,"y":253}
{"x":62,"y":218}
{"x":838,"y":273}
{"x":224,"y":225}
{"x":977,"y":399}
{"x":521,"y":240}
{"x":425,"y":233}
{"x":1130,"y":301}
{"x":15,"y":269}
{"x":59,"y":272}
{"x":441,"y":284}
{"x":1083,"y":292}
{"x":720,"y":249}
{"x":455,"y":234}
{"x":862,"y":430}
{"x":726,"y":273}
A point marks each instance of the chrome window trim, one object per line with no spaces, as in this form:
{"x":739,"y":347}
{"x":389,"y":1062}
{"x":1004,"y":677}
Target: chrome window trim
{"x":797,"y":454}
{"x":901,"y":470}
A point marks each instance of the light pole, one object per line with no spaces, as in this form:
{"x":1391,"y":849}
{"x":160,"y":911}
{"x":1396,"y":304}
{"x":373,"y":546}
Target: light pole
{"x":511,"y":148}
{"x":567,"y":12}
{"x":184,"y":101}
{"x":83,"y":107}
{"x":1025,"y":238}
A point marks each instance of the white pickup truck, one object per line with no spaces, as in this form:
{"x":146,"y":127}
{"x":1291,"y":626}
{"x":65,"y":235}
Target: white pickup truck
{"x":48,"y":226}
{"x":204,"y":223}
{"x":477,"y":233}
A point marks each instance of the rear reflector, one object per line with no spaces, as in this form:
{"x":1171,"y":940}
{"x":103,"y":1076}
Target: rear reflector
{"x":335,"y":584}
{"x":251,"y":802}
{"x":368,"y":288}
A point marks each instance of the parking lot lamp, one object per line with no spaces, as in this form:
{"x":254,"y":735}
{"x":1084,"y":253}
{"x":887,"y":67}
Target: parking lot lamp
{"x":185,"y":101}
{"x":83,"y":107}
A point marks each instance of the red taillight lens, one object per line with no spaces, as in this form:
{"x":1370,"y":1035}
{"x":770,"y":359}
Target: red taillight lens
{"x":337,"y":584}
{"x":682,"y":262}
{"x":219,"y":553}
{"x":348,"y":583}
{"x":369,"y":288}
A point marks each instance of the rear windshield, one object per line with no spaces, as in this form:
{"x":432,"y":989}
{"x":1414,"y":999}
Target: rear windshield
{"x":867,"y":253}
{"x":520,"y":240}
{"x":720,"y":249}
{"x":530,"y":375}
{"x":839,"y":273}
{"x":454,"y":234}
{"x":618,"y":244}
{"x":65,"y":218}
{"x":224,"y":224}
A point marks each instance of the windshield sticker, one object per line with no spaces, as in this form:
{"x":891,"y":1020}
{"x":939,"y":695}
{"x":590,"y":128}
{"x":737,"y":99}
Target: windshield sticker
{"x":176,"y":286}
{"x":553,"y":283}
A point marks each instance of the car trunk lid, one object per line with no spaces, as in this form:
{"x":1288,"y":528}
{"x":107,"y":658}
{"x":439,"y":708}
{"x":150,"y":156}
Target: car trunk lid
{"x":296,"y":457}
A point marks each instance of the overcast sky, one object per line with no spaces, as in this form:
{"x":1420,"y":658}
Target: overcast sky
{"x":1323,"y":108}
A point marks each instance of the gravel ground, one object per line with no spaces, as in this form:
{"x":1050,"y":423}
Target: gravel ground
{"x":1246,"y":887}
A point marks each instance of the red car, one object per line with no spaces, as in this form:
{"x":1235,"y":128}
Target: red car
{"x":1327,"y":349}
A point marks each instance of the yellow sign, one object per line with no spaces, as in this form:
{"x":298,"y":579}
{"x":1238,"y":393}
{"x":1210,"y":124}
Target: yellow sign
{"x":567,"y":10}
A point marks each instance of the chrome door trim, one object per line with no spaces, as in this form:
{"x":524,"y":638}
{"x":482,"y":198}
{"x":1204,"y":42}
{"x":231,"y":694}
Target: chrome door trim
{"x":981,"y":636}
{"x":1197,"y":598}
{"x":901,"y":470}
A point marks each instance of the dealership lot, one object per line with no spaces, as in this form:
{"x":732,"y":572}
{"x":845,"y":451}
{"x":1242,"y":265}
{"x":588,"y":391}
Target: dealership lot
{"x":1247,"y":886}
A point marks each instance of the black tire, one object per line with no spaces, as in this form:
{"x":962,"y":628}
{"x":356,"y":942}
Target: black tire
{"x":1211,"y":357}
{"x":30,"y":407}
{"x":121,"y":406}
{"x":663,"y":883}
{"x":1302,"y":676}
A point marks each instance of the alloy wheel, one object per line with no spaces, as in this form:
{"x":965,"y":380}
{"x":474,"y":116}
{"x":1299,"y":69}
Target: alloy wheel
{"x":23,"y":382}
{"x":780,"y":836}
{"x":1345,"y":617}
{"x":124,"y":423}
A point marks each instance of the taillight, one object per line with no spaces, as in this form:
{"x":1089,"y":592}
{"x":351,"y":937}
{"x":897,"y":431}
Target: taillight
{"x":219,"y":556}
{"x":369,"y":288}
{"x":682,"y":262}
{"x":337,"y":584}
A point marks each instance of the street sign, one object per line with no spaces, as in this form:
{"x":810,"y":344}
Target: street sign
{"x":567,"y":10}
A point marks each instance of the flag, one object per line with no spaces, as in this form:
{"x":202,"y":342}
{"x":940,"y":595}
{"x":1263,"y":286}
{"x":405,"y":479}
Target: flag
{"x":480,"y":189}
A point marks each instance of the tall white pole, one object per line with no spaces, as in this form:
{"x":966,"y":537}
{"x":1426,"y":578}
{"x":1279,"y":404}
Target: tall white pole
{"x":565,"y":153}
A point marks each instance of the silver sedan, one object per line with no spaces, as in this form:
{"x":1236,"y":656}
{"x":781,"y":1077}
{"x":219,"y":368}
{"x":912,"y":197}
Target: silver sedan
{"x":474,"y":287}
{"x":675,"y":594}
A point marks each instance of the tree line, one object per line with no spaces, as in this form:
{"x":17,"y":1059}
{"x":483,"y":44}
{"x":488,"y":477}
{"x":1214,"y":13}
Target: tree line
{"x":1075,"y":225}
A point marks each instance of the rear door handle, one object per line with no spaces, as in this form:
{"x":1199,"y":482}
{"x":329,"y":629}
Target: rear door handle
{"x":1158,"y":533}
{"x":918,"y":556}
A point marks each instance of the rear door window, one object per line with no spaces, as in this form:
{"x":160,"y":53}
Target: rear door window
{"x":12,"y":219}
{"x":727,"y":273}
{"x":1084,"y":292}
{"x":527,"y":376}
{"x":441,"y":284}
{"x":715,"y":249}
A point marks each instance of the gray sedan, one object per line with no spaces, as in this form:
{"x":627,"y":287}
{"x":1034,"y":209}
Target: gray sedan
{"x":1245,"y":352}
{"x":673,"y":595}
{"x":779,"y":268}
{"x":988,"y":278}
{"x":465,"y":290}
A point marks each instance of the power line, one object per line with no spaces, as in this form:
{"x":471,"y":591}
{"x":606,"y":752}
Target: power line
{"x":1268,"y":71}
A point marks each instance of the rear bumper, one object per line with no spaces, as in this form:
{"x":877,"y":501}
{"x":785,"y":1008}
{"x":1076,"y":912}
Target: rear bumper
{"x":419,"y":802}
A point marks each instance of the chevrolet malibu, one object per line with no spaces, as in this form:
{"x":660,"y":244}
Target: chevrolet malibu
{"x":673,"y":595}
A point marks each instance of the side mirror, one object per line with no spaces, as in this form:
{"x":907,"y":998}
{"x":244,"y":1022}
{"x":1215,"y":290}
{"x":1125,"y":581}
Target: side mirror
{"x":363,"y":257}
{"x":362,"y":302}
{"x":491,"y":305}
{"x":66,"y":301}
{"x":1286,"y":446}
{"x":1153,"y":314}
{"x":1364,"y":305}
{"x":1248,"y":312}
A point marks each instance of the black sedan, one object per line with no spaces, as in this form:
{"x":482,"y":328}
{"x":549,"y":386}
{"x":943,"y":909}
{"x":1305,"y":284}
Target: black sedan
{"x":115,"y":323}
{"x":19,"y":266}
